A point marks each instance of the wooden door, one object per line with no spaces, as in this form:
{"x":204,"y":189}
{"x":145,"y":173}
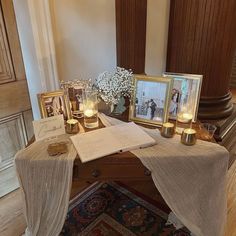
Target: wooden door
{"x":15,"y":107}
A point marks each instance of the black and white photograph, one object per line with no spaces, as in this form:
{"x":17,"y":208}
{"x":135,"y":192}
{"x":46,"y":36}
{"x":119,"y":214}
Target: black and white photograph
{"x":186,"y":90}
{"x":150,"y":99}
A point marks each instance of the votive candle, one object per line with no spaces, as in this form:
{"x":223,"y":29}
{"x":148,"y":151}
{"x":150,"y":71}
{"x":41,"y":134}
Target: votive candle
{"x":72,"y":126}
{"x":188,"y":137}
{"x":168,"y":130}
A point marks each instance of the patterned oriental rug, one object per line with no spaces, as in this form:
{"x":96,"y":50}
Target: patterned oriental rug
{"x":113,"y":209}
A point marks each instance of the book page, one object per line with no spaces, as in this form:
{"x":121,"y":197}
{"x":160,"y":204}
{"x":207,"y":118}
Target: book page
{"x":105,"y":141}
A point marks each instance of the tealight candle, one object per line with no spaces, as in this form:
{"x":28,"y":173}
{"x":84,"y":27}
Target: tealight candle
{"x":183,"y":121}
{"x":188,"y":137}
{"x":72,"y":126}
{"x":88,"y":112}
{"x":168,"y":130}
{"x":185,"y":117}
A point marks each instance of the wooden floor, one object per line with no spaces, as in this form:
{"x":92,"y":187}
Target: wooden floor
{"x":12,"y":221}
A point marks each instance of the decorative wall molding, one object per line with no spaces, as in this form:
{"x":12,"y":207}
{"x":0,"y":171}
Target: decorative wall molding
{"x":12,"y":138}
{"x":6,"y":67}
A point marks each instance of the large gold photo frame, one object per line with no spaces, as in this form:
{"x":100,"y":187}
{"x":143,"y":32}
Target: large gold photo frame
{"x":150,"y":100}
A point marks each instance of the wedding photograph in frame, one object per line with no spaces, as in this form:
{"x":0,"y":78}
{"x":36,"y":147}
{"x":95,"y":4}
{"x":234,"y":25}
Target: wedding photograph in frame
{"x":150,"y":100}
{"x":186,"y":89}
{"x":54,"y":103}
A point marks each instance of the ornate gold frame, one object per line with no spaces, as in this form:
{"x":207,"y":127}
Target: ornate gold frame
{"x":159,"y":79}
{"x":58,"y":93}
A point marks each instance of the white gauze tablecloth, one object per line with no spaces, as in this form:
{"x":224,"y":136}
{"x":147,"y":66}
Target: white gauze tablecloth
{"x":191,"y":179}
{"x":46,"y":184}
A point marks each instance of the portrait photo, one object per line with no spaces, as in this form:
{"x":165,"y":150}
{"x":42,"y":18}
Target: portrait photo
{"x":75,"y":90}
{"x":53,"y":104}
{"x":150,"y":99}
{"x":186,"y":90}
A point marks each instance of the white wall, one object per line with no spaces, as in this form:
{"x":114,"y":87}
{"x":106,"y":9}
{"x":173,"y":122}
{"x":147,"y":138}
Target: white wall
{"x":85,"y":37}
{"x":157,"y":35}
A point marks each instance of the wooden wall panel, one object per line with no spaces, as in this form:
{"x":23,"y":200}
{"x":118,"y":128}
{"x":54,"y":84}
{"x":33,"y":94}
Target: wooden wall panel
{"x":13,"y":38}
{"x":14,"y":98}
{"x":202,"y":40}
{"x":6,"y":66}
{"x":12,"y":139}
{"x":233,"y":73}
{"x":131,"y":34}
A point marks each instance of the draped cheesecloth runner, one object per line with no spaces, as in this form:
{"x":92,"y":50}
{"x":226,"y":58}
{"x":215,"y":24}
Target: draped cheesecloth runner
{"x":46,"y":184}
{"x":191,"y":179}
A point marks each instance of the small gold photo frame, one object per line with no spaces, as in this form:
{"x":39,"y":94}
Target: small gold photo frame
{"x":54,"y":103}
{"x":150,"y":100}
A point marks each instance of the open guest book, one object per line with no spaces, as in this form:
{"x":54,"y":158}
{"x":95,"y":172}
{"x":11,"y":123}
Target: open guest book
{"x":110,"y":140}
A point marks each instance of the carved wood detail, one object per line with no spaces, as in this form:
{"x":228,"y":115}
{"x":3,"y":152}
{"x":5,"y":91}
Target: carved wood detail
{"x":12,"y":138}
{"x":6,"y":67}
{"x":131,"y":34}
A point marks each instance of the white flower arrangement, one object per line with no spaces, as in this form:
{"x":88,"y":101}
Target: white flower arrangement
{"x":112,"y":86}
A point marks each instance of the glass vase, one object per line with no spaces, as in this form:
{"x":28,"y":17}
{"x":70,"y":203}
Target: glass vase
{"x":184,"y":116}
{"x":90,"y":108}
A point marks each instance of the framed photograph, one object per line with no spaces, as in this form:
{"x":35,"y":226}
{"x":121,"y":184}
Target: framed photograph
{"x":150,"y":100}
{"x":186,"y":90}
{"x":54,"y":103}
{"x":75,"y":89}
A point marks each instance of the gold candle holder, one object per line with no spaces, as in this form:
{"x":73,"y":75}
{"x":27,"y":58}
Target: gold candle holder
{"x":168,"y":130}
{"x":72,"y":126}
{"x":189,"y":137}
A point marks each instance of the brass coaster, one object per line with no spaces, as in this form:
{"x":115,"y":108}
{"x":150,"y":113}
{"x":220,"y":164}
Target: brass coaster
{"x":57,"y":148}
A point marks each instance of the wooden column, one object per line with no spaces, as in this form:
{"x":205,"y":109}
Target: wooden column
{"x":131,"y":34}
{"x":202,"y":40}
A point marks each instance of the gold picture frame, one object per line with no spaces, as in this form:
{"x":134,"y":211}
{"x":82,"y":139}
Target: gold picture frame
{"x":188,"y":87}
{"x":150,"y":100}
{"x":54,"y":103}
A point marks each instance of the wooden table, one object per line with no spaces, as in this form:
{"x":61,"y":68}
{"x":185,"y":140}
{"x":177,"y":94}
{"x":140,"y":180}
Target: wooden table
{"x":122,"y":166}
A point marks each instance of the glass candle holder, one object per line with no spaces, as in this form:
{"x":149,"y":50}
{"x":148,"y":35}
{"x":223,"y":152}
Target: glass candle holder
{"x":184,"y":116}
{"x":72,"y":126}
{"x":168,"y":130}
{"x":90,"y":108}
{"x":189,"y":137}
{"x":207,"y":131}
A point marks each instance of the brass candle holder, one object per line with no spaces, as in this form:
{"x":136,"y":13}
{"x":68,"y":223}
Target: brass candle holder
{"x":168,"y":130}
{"x":72,"y":126}
{"x":189,"y":137}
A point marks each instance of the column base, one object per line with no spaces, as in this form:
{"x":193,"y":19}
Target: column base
{"x":215,"y":108}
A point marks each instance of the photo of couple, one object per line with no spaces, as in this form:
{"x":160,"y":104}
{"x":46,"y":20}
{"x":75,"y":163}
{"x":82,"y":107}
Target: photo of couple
{"x":150,"y":100}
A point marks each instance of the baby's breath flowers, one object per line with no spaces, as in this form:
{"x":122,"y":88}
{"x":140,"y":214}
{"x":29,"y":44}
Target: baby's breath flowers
{"x":112,"y":86}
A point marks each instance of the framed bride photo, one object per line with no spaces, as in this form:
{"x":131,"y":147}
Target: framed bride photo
{"x":150,"y":100}
{"x":186,"y":89}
